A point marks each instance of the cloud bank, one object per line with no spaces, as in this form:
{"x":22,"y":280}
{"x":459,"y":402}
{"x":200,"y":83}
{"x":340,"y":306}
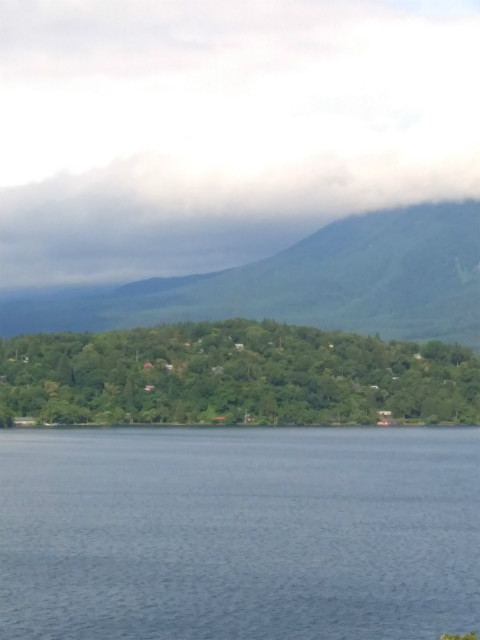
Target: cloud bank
{"x":146,"y":216}
{"x":149,"y":138}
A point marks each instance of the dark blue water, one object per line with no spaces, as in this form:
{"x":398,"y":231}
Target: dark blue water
{"x":226,"y":534}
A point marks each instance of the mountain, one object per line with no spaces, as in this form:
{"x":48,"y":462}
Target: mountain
{"x":160,"y":285}
{"x":410,"y":273}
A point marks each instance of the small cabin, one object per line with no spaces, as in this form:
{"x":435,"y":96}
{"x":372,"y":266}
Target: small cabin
{"x":24,"y":421}
{"x":385,"y":419}
{"x":217,"y":371}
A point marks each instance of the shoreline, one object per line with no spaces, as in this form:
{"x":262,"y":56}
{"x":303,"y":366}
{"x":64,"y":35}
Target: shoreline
{"x":238,"y":426}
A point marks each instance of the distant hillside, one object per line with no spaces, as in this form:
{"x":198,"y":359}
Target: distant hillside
{"x":235,"y":372}
{"x":154,"y":286}
{"x":411,"y":273}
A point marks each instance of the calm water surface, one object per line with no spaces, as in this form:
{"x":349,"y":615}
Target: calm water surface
{"x":239,"y":534}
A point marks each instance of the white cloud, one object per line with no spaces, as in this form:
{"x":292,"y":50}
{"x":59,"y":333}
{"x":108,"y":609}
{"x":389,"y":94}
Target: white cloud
{"x":291,"y":112}
{"x":149,"y":216}
{"x":218,"y":85}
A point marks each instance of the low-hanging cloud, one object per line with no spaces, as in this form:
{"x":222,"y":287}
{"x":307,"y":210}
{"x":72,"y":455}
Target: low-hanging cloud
{"x":148,"y":216}
{"x":159,"y":138}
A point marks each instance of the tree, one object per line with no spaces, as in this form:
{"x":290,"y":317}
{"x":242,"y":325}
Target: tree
{"x":65,"y":371}
{"x":5,"y":417}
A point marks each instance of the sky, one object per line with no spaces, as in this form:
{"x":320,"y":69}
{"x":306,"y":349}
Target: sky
{"x":146,"y":138}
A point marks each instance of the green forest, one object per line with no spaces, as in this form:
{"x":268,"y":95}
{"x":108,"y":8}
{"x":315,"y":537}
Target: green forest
{"x":235,"y":372}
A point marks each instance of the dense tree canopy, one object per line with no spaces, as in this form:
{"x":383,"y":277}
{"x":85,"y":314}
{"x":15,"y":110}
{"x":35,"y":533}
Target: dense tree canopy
{"x":232,"y":372}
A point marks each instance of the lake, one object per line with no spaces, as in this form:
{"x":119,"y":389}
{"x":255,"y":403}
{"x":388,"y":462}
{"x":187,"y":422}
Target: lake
{"x":239,"y":533}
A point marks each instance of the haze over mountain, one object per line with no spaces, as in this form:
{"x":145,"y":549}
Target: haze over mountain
{"x":412,"y":273}
{"x":144,"y":139}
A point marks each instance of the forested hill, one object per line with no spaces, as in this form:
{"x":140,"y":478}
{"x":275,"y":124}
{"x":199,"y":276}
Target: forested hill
{"x":233,"y":372}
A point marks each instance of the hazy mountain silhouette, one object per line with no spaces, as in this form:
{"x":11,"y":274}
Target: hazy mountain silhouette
{"x":411,"y":273}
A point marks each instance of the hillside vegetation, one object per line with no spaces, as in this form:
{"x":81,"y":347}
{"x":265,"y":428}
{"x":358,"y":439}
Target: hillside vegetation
{"x":233,"y":372}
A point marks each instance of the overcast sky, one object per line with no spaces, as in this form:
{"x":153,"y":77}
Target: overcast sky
{"x":164,"y":137}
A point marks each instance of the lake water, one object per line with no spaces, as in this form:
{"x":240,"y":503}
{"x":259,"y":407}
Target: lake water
{"x":239,"y":534}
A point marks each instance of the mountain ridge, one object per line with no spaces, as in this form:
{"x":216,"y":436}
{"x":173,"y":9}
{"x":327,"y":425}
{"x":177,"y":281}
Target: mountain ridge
{"x":410,"y":273}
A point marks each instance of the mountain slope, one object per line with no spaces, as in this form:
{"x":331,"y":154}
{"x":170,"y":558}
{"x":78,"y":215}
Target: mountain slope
{"x":409,"y":273}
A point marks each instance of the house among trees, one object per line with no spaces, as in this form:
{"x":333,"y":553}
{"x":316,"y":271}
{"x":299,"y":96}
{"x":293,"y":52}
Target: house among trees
{"x":148,"y":365}
{"x":24,"y":421}
{"x":217,"y":371}
{"x":385,"y":419}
